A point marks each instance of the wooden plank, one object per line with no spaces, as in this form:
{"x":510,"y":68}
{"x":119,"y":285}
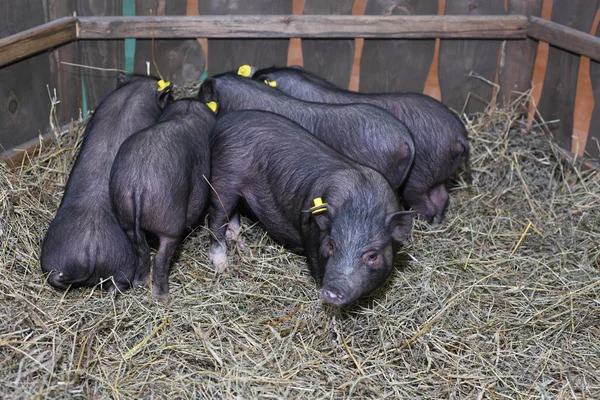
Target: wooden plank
{"x":23,"y":152}
{"x":99,"y":53}
{"x":330,"y":58}
{"x":458,"y":58}
{"x":23,"y":96}
{"x":227,"y":55}
{"x":305,"y":26}
{"x":35,"y":40}
{"x":65,"y":79}
{"x":397,"y":65}
{"x":517,"y":58}
{"x":179,"y":61}
{"x":565,"y":38}
{"x":557,"y":100}
{"x":592,"y":147}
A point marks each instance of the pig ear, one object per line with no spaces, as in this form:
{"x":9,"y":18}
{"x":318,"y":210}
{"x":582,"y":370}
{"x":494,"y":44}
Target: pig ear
{"x":208,"y":91}
{"x":122,"y":78}
{"x":163,"y":98}
{"x":323,"y":219}
{"x":400,"y":225}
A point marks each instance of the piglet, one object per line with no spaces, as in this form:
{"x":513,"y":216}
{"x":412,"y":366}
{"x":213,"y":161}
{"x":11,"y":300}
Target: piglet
{"x":159,"y":185}
{"x":364,"y":133}
{"x":344,"y":216}
{"x":85,"y":244}
{"x":440,"y":137}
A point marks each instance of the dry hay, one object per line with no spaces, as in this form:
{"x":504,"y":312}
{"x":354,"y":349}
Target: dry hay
{"x":501,"y":301}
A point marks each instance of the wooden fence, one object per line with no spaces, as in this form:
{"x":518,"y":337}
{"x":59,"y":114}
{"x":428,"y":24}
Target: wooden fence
{"x":491,"y":40}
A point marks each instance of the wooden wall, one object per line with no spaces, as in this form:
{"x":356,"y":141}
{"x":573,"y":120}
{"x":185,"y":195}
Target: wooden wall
{"x":438,"y":67}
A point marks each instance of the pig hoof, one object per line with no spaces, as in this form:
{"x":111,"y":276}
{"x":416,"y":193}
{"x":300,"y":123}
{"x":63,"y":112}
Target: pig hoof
{"x":160,"y":296}
{"x":240,"y":244}
{"x":218,"y":257}
{"x":144,"y":281}
{"x":220,"y":268}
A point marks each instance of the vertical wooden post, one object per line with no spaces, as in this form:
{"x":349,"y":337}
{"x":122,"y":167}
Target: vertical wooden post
{"x":517,"y":58}
{"x":458,"y":58}
{"x":99,"y":53}
{"x":557,"y":101}
{"x":397,"y":65}
{"x":228,"y":54}
{"x":179,"y":61}
{"x":592,"y":147}
{"x":330,"y":58}
{"x":65,"y":78}
{"x":24,"y":103}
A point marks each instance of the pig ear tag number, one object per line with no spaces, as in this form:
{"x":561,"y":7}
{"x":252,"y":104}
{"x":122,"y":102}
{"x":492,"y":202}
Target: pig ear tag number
{"x":318,"y":206}
{"x":162,"y":85}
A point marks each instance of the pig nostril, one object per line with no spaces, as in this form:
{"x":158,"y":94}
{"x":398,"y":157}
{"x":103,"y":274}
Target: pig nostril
{"x":333,"y":295}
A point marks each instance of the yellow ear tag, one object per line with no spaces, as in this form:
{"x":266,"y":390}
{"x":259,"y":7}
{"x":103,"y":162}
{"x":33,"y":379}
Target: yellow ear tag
{"x":212,"y":105}
{"x":318,"y":206}
{"x":162,"y":85}
{"x":245,"y":70}
{"x":271,"y":83}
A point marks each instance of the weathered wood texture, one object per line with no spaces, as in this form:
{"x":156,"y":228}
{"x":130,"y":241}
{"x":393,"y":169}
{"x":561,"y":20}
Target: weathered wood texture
{"x":557,"y":101}
{"x":24,"y":104}
{"x":228,"y":54}
{"x":565,"y":38}
{"x":99,"y":53}
{"x":459,"y":58}
{"x":395,"y":65}
{"x":66,"y":79}
{"x":592,"y":147}
{"x":179,"y":61}
{"x":302,"y":26}
{"x":517,"y":58}
{"x":330,"y":58}
{"x":37,"y":39}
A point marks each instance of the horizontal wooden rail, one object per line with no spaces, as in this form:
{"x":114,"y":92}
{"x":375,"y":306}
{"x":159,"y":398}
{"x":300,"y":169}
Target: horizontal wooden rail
{"x":35,"y":40}
{"x":303,"y":26}
{"x":566,"y":38}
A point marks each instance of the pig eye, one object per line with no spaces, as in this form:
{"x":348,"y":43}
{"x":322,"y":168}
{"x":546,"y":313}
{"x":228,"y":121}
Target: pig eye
{"x":371,"y":258}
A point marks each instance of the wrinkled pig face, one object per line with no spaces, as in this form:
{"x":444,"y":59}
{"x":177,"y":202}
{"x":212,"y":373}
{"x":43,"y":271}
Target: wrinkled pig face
{"x":357,"y":250}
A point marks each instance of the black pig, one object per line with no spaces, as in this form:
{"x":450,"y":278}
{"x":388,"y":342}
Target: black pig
{"x":440,"y":137}
{"x":85,"y":244}
{"x":366,"y":134}
{"x":158,"y":184}
{"x":282,"y":172}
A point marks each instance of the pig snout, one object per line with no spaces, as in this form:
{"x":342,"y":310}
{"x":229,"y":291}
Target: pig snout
{"x":334,"y":296}
{"x":340,"y":293}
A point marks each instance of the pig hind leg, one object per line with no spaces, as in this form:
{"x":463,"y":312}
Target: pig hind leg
{"x":142,"y":253}
{"x":233,"y":231}
{"x":140,"y":244}
{"x":218,"y":223}
{"x":160,"y":272}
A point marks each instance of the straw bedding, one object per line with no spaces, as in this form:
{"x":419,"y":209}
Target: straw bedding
{"x":500,"y":301}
